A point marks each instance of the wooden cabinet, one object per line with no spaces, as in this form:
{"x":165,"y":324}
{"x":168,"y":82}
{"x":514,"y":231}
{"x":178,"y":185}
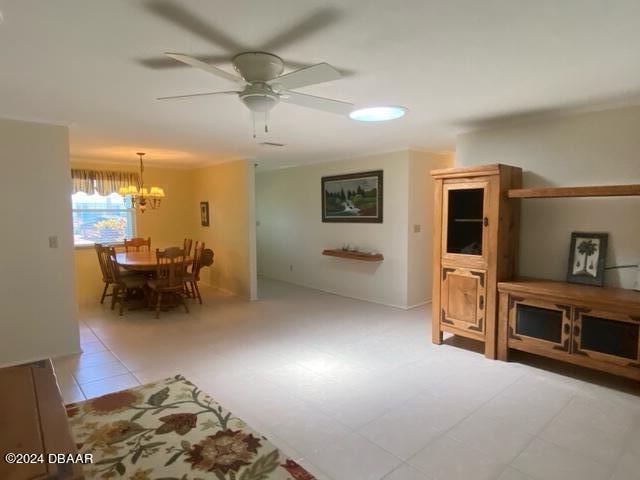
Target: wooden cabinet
{"x":33,"y":420}
{"x":474,"y":248}
{"x":590,"y":326}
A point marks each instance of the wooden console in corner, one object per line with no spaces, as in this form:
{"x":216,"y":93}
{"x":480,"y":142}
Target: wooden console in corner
{"x":593,"y":327}
{"x":33,"y":420}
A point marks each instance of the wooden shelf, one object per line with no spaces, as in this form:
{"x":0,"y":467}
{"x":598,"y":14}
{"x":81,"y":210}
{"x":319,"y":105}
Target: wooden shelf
{"x":366,"y":257}
{"x":566,"y":192}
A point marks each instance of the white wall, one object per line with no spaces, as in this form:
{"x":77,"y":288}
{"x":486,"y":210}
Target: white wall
{"x":291,"y":235}
{"x":595,"y":148}
{"x":420,"y":244}
{"x":38,"y":315}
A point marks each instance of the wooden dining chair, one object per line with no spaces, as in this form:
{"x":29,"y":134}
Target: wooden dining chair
{"x":105,"y":270}
{"x":190,"y":280}
{"x":171,"y":271}
{"x":137,"y":244}
{"x":202,"y":257}
{"x":124,"y":285}
{"x":188,"y":243}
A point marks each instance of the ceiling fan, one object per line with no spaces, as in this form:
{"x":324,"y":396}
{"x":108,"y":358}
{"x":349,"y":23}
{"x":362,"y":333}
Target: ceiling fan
{"x":259,"y":79}
{"x":262,"y":85}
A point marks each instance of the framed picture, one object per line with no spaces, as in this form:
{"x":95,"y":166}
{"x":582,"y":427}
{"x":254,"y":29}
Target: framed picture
{"x":587,"y":258}
{"x":204,"y":214}
{"x":353,"y":198}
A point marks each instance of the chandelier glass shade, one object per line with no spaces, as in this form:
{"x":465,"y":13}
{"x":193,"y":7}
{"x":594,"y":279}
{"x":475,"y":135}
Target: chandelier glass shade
{"x":142,"y":196}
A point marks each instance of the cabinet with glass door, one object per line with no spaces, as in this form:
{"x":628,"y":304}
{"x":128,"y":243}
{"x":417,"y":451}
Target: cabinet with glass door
{"x":473,"y":249}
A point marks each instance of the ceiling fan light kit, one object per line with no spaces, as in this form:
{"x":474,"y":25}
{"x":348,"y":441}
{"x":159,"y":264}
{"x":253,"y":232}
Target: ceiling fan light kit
{"x":259,"y":97}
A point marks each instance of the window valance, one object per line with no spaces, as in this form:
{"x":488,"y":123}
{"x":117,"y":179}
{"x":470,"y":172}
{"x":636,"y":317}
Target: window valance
{"x":102,"y":182}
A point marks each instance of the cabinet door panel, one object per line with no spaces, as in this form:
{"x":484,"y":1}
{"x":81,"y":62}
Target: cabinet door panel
{"x":465,"y":219}
{"x":605,"y":336}
{"x":539,"y":324}
{"x":463,"y":298}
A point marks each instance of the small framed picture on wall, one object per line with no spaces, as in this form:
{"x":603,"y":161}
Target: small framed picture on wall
{"x":587,"y":258}
{"x":204,"y":214}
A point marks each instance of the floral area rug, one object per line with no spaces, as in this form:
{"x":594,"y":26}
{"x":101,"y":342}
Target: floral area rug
{"x":171,"y":430}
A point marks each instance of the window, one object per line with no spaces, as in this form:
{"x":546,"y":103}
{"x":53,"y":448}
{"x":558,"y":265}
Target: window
{"x":101,"y":219}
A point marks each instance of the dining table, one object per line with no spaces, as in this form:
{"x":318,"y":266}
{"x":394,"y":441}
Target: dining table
{"x":140,"y":261}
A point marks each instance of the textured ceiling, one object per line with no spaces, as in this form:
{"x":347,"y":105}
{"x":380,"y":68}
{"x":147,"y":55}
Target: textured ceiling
{"x":454,"y":64}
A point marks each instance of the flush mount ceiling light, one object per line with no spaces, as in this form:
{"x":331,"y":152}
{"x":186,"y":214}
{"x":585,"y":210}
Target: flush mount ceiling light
{"x":378,"y":114}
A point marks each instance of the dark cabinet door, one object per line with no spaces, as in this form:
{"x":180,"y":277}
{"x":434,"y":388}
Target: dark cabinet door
{"x":605,"y":336}
{"x":465,"y":221}
{"x":539,"y":324}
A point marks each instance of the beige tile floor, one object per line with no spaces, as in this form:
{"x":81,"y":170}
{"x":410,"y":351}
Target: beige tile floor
{"x":356,"y":391}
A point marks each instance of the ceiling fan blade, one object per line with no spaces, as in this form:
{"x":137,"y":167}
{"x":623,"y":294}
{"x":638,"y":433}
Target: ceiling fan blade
{"x":298,"y":65}
{"x":191,"y":95}
{"x":310,"y":24}
{"x":317,"y":103}
{"x":175,"y":13}
{"x":194,"y":62}
{"x":321,"y":72}
{"x":164,"y":62}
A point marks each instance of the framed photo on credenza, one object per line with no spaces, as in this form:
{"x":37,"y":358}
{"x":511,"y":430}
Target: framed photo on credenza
{"x":587,"y":258}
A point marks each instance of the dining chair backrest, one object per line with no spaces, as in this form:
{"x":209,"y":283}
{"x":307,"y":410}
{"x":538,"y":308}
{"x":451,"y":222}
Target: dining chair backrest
{"x":188,"y":243}
{"x":197,"y":252}
{"x":171,"y":267}
{"x":205,"y":260}
{"x":137,"y":244}
{"x":111,"y":263}
{"x":103,"y":261}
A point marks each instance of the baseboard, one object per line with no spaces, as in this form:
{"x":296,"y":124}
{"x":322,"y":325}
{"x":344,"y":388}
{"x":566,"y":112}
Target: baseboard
{"x":340,"y":294}
{"x":37,"y":358}
{"x":222,"y":290}
{"x":421,"y":304}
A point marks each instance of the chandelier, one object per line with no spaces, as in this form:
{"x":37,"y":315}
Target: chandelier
{"x":141,"y":195}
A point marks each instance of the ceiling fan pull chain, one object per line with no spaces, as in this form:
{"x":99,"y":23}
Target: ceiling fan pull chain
{"x":253,"y":119}
{"x":266,"y":122}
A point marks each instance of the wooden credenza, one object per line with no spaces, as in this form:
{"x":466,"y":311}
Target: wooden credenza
{"x":590,"y":326}
{"x":33,"y":420}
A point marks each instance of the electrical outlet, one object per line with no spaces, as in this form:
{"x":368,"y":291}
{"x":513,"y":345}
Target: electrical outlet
{"x":53,"y":241}
{"x":416,"y":228}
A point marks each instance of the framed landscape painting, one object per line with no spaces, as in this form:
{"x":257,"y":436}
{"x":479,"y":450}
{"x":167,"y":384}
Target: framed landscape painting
{"x":353,"y":198}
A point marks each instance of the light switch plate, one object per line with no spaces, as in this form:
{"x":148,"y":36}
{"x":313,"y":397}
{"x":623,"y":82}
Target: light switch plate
{"x":416,"y":228}
{"x":53,"y":241}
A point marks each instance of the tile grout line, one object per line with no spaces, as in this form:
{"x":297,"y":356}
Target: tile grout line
{"x":446,"y":432}
{"x":537,"y":437}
